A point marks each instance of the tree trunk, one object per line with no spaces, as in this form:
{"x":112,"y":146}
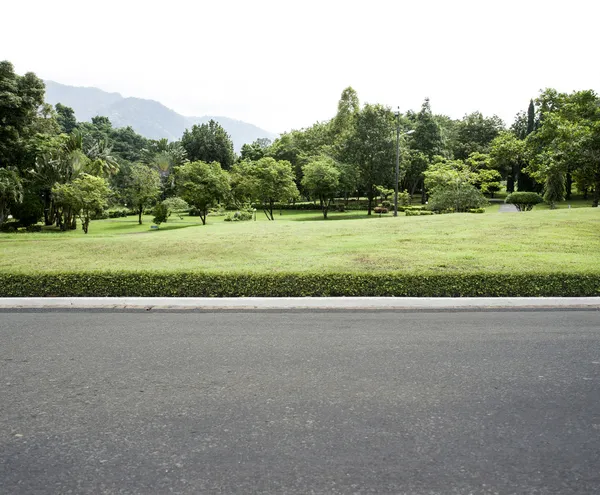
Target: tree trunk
{"x":585,"y":193}
{"x":596,"y":189}
{"x":370,"y":198}
{"x":568,"y":185}
{"x":140,"y":211}
{"x":203,"y":214}
{"x":48,"y":219}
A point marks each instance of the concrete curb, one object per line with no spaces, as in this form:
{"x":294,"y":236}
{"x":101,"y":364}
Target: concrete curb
{"x":284,"y":303}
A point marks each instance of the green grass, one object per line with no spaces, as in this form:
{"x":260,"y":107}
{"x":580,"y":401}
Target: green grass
{"x":541,"y":241}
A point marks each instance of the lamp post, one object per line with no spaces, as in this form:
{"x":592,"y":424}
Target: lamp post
{"x":398,"y":159}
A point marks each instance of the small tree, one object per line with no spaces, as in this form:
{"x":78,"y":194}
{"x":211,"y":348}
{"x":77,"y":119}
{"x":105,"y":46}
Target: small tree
{"x":84,"y":197}
{"x":161,"y":214}
{"x":176,"y":205}
{"x":321,"y":179}
{"x":554,"y":189}
{"x":267,"y":181}
{"x":202,"y":185}
{"x":524,"y":201}
{"x":143,"y":188}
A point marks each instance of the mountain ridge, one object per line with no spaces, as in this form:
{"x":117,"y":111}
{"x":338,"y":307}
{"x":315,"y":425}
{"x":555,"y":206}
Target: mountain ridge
{"x":150,"y":118}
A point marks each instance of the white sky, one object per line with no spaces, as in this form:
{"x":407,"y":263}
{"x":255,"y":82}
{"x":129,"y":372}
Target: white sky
{"x":283,"y":65}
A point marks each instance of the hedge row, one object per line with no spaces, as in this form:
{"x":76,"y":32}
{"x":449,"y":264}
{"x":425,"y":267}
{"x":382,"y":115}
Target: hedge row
{"x":145,"y":284}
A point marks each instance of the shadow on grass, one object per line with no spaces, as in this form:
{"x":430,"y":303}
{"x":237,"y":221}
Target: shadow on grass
{"x":338,"y":216}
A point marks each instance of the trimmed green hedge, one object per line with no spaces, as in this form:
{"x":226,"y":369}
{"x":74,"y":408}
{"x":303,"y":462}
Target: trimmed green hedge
{"x":157,"y":284}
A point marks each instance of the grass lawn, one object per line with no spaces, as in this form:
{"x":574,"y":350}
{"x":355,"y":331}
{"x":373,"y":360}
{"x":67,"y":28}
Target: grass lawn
{"x":541,"y":241}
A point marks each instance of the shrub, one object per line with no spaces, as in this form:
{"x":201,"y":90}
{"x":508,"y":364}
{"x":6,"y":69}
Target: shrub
{"x":99,"y":215}
{"x":380,"y":209}
{"x":33,"y":228}
{"x":477,"y":210}
{"x":239,"y":216}
{"x":9,"y":227}
{"x":460,"y":197}
{"x":416,"y":213}
{"x":524,"y":201}
{"x":180,"y":284}
{"x":403,"y":199}
{"x":120,"y":213}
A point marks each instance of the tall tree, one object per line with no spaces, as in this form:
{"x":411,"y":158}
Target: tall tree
{"x":427,"y":137}
{"x":474,"y":133}
{"x":20,"y":99}
{"x":209,"y":143}
{"x":371,"y":147}
{"x":66,"y":118}
{"x":347,"y":110}
{"x":530,"y":117}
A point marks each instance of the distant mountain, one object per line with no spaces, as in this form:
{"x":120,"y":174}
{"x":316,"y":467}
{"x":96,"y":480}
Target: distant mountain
{"x":147,"y":117}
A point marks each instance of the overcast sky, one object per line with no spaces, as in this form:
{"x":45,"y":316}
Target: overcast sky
{"x":283,"y":65}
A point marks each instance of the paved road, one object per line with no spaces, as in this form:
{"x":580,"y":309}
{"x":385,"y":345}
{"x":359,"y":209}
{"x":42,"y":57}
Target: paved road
{"x":300,"y":402}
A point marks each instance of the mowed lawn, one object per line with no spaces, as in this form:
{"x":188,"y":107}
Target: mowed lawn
{"x":542,"y":241}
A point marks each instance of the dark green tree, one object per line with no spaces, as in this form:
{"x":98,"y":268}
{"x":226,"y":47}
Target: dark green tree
{"x":371,"y":146}
{"x":209,"y":143}
{"x":65,"y":117}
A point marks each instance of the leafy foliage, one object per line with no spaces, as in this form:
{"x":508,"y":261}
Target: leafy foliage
{"x":202,"y":185}
{"x":524,"y":201}
{"x":178,"y":284}
{"x":209,"y":143}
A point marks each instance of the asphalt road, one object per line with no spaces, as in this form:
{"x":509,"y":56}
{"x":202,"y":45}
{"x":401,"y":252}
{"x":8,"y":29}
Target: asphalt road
{"x":300,"y":402}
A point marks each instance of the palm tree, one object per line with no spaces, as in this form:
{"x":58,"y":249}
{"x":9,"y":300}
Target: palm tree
{"x":164,"y":157}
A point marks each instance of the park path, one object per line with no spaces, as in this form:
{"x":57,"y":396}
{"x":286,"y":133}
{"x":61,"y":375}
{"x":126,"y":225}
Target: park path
{"x":505,"y":208}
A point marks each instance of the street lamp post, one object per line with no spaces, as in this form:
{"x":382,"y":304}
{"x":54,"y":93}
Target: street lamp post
{"x":398,"y":160}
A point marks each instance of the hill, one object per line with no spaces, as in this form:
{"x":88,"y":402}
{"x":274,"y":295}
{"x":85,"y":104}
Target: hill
{"x":147,"y":117}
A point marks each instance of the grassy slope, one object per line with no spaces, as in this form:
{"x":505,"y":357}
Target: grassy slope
{"x":538,"y":241}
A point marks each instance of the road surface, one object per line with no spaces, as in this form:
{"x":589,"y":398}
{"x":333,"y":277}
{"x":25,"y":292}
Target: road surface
{"x":300,"y":402}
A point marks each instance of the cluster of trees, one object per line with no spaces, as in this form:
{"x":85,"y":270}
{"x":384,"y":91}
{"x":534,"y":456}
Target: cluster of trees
{"x":54,"y":168}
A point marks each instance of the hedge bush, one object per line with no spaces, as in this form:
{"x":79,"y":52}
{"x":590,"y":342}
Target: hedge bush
{"x":414,"y":213}
{"x":524,"y":200}
{"x":176,"y":284}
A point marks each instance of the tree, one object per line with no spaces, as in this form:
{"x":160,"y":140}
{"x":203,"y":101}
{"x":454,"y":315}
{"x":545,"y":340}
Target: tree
{"x":568,"y":137}
{"x":21,"y":97}
{"x":348,"y":109}
{"x":508,"y":156}
{"x":256,"y":150}
{"x":161,"y":213}
{"x":322,"y":179}
{"x":474,"y":133}
{"x":266,"y":181}
{"x":11,"y":191}
{"x":209,"y":143}
{"x":371,"y":147}
{"x":175,"y":205}
{"x":84,"y":197}
{"x":164,"y":157}
{"x":427,"y":137}
{"x":202,"y":185}
{"x":554,"y":189}
{"x":65,"y":117}
{"x":143,"y":188}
